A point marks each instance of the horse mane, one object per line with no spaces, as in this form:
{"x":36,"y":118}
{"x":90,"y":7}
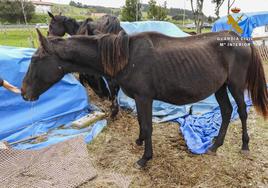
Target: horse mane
{"x":113,"y":52}
{"x":106,"y":24}
{"x":84,"y":27}
{"x":109,"y":24}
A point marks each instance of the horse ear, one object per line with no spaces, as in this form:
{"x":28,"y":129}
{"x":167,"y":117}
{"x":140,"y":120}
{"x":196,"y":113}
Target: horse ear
{"x":43,"y":41}
{"x":51,"y":15}
{"x":60,"y":13}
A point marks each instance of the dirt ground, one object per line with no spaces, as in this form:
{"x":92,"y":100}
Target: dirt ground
{"x":114,"y":152}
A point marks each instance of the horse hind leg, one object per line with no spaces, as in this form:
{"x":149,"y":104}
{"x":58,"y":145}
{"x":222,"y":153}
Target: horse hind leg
{"x":226,"y":112}
{"x":238,"y":95}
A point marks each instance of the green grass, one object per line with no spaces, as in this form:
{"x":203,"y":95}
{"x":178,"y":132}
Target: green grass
{"x":22,"y":37}
{"x":74,"y":12}
{"x":19,"y":37}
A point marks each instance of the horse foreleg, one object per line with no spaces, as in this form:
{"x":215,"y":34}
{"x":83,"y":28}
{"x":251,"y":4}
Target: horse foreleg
{"x":140,"y":139}
{"x":226,"y":112}
{"x":144,"y":110}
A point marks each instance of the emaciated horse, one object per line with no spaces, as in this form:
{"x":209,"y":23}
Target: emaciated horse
{"x":151,"y":66}
{"x":59,"y":25}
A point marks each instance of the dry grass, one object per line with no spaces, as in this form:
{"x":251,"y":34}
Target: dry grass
{"x":114,"y":151}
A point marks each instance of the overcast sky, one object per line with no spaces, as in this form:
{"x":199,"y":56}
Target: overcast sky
{"x":244,"y":5}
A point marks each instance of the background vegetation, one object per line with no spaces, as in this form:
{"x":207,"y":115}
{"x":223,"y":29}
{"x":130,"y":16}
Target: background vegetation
{"x":11,"y":13}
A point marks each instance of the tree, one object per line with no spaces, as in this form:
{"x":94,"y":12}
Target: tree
{"x":197,"y":9}
{"x":152,"y":10}
{"x":131,"y":11}
{"x":229,"y":6}
{"x":218,"y":6}
{"x":157,"y":12}
{"x":15,"y":11}
{"x":162,"y":12}
{"x":72,"y":3}
{"x":210,"y":19}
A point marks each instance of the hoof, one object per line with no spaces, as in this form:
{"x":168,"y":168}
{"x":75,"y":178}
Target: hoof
{"x":213,"y":153}
{"x":137,"y":166}
{"x":245,"y":152}
{"x":139,"y":142}
{"x":140,"y":164}
{"x":113,"y":114}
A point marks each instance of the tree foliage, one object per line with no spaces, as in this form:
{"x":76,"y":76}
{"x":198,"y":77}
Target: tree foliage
{"x":131,"y":11}
{"x":210,"y":19}
{"x":152,"y":9}
{"x":11,"y":11}
{"x":179,"y":17}
{"x":157,"y":12}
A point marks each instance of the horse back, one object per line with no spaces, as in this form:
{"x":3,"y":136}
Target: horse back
{"x":191,"y":67}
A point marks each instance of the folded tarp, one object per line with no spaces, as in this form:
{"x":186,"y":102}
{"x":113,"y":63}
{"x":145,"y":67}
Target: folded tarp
{"x":157,"y":26}
{"x":200,"y":122}
{"x":248,"y":22}
{"x":63,"y":103}
{"x":201,"y":126}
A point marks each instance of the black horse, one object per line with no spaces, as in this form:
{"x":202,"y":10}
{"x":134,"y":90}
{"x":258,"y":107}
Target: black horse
{"x":151,"y":66}
{"x":59,"y":25}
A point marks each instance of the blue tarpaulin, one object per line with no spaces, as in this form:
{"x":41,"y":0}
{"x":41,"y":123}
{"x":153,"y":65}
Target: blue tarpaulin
{"x":248,"y":22}
{"x":63,"y":103}
{"x":157,"y":26}
{"x":202,"y":125}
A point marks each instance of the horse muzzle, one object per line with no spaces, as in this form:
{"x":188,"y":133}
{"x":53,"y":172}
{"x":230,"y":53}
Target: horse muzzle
{"x":28,"y":97}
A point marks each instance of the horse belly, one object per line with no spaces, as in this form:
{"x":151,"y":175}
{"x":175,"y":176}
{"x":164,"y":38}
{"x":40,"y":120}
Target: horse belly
{"x":182,"y":90}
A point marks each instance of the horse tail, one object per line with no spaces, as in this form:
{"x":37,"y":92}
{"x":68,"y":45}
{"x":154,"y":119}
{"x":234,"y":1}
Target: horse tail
{"x":256,"y":83}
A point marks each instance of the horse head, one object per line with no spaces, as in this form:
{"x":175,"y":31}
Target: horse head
{"x":105,"y":54}
{"x":44,"y":71}
{"x":59,"y":25}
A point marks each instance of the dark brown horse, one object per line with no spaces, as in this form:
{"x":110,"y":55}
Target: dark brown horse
{"x":151,"y":66}
{"x":59,"y":25}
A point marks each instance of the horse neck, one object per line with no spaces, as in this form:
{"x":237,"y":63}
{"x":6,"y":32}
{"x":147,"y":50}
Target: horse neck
{"x":79,"y":56}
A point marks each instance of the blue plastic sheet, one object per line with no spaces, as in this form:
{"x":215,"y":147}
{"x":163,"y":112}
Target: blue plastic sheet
{"x":166,"y":28}
{"x":63,"y":103}
{"x":200,"y":127}
{"x":248,"y":22}
{"x":162,"y":111}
